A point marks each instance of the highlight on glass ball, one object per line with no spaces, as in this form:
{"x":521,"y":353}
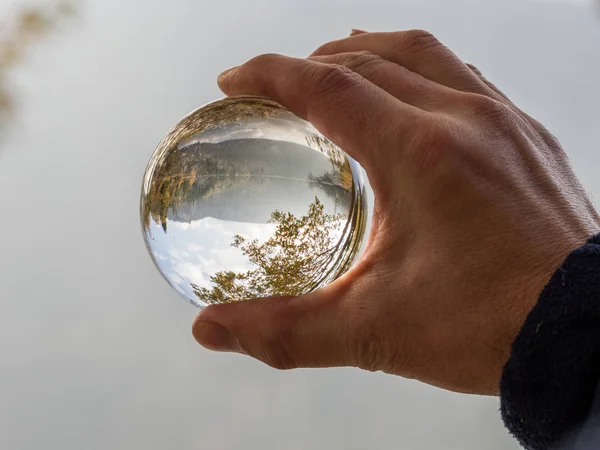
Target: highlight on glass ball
{"x":243,"y":199}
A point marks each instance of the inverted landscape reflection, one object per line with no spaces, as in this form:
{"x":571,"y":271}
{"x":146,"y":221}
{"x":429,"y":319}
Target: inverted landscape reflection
{"x":243,"y":199}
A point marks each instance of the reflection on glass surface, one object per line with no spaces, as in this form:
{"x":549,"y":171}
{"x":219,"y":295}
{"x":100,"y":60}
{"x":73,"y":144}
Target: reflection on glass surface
{"x":242,"y":199}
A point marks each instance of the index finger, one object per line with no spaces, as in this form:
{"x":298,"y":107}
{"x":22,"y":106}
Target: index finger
{"x":352,"y":112}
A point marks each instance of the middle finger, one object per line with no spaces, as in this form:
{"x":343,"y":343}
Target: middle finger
{"x":405,"y":85}
{"x":418,"y":51}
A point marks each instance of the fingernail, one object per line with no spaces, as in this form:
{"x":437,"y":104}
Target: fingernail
{"x":356,"y":31}
{"x":223,"y":74}
{"x":215,"y":337}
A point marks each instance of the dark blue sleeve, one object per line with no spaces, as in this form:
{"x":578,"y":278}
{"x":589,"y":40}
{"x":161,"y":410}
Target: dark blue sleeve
{"x":548,"y":390}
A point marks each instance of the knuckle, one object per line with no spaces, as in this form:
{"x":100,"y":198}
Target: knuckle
{"x":547,"y":137}
{"x":259,"y":64}
{"x":276,"y":349}
{"x":416,"y":40}
{"x":550,"y":140}
{"x":357,"y":59}
{"x":372,"y":350}
{"x":275,"y":355}
{"x":489,"y":108}
{"x":263,"y":60}
{"x":328,"y":80}
{"x":475,"y":69}
{"x":326,"y":49}
{"x":364,"y":62}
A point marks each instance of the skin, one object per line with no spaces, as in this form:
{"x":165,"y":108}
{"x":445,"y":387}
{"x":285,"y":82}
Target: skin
{"x":476,"y":207}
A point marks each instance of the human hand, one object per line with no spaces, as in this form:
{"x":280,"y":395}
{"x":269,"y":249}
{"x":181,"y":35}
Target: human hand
{"x":476,"y":206}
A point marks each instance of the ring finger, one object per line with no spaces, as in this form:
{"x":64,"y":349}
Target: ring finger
{"x":407,"y":86}
{"x":418,"y":51}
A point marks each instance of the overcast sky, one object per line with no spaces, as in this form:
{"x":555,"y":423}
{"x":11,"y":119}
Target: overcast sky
{"x":96,"y":350}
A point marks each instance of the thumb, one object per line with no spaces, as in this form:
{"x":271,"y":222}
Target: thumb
{"x":283,"y":332}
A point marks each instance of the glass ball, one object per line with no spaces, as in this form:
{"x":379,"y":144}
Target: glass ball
{"x":243,"y":199}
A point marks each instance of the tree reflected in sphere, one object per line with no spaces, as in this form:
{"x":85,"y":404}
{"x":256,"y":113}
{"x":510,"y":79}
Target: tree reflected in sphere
{"x":243,"y":199}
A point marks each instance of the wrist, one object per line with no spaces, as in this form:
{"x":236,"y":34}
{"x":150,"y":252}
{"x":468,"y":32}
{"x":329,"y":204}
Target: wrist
{"x":548,"y":383}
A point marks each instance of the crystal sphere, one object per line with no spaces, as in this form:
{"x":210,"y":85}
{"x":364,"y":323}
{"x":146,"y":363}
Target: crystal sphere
{"x":242,"y":199}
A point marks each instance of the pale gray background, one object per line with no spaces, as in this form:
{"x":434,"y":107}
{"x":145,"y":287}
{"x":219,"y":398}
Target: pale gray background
{"x":95,"y":347}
